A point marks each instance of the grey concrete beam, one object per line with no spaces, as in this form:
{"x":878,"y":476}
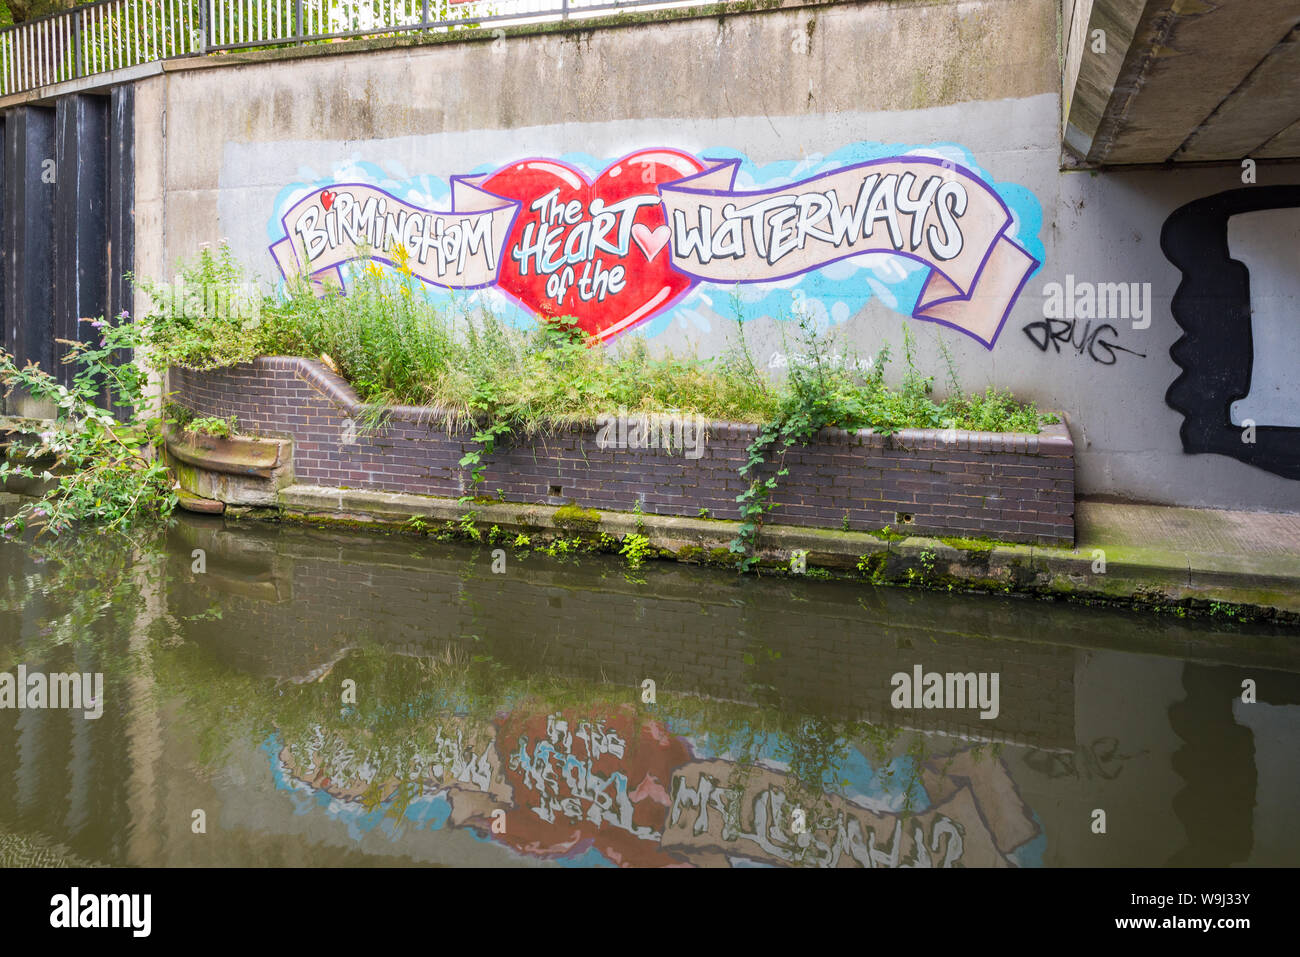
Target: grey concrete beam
{"x":1187,"y":59}
{"x":1267,"y":102}
{"x":1099,"y":34}
{"x":1285,"y":144}
{"x":96,"y":82}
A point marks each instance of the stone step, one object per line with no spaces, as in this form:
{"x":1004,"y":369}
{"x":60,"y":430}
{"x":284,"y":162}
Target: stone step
{"x":196,"y":503}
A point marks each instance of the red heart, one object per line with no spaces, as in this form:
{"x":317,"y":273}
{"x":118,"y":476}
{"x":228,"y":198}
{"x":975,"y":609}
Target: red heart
{"x":327,"y":199}
{"x":648,"y":283}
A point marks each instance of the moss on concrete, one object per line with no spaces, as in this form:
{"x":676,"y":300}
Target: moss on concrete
{"x":978,"y":545}
{"x":576,"y":518}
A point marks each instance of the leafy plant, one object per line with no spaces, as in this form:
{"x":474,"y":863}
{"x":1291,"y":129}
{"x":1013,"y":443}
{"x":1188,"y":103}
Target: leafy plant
{"x":104,"y":470}
{"x":636,"y":549}
{"x":820,"y":392}
{"x":210,"y":318}
{"x":467,"y":528}
{"x":396,"y":346}
{"x":214,"y":426}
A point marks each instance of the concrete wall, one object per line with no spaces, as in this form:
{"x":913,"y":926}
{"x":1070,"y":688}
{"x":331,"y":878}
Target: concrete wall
{"x":224,"y":151}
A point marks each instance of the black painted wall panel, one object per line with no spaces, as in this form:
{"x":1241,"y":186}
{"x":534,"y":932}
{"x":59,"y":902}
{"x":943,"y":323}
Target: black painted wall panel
{"x":80,"y":220}
{"x":121,"y":202}
{"x":67,"y":222}
{"x":29,"y":175}
{"x":4,"y":254}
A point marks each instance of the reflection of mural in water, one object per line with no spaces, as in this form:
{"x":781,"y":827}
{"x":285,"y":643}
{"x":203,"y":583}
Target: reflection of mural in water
{"x":519,"y":723}
{"x":626,"y":790}
{"x":1100,"y":759}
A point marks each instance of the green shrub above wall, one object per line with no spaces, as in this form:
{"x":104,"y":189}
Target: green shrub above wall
{"x":394,"y":347}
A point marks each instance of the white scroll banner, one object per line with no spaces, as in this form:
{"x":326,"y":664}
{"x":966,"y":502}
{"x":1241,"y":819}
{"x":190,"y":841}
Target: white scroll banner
{"x":934,"y":212}
{"x":343,"y":222}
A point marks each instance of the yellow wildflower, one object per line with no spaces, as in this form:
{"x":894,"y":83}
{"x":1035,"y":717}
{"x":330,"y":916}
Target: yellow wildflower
{"x":402,"y":259}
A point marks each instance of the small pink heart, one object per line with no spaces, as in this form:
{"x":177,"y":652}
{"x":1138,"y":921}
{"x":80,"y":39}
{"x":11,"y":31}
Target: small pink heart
{"x":650,"y":240}
{"x":327,"y":199}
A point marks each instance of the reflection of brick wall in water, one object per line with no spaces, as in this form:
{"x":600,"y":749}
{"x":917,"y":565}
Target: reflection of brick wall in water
{"x":1016,"y":488}
{"x":691,"y":631}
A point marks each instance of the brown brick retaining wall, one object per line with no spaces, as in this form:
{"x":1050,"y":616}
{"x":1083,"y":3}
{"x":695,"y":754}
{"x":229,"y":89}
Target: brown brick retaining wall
{"x":1012,"y":487}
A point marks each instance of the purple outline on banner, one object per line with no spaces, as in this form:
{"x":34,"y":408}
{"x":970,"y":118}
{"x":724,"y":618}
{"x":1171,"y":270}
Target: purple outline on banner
{"x":714,"y":165}
{"x":1011,"y":301}
{"x":1000,"y":236}
{"x":337,"y":270}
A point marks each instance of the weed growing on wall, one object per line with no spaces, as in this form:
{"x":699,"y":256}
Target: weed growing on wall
{"x":102,"y":470}
{"x":185,"y":420}
{"x":636,"y":549}
{"x":209,"y":318}
{"x":395,"y":347}
{"x":819,"y":393}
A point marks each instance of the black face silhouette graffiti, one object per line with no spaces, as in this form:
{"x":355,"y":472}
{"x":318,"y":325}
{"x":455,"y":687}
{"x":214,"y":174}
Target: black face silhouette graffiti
{"x":1241,"y":329}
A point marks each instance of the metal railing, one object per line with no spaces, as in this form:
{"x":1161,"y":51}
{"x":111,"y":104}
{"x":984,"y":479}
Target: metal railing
{"x":116,"y":34}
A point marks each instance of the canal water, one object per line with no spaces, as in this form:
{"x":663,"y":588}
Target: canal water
{"x":280,"y":695}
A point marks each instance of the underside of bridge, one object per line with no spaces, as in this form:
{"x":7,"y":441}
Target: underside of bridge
{"x":1180,"y":81}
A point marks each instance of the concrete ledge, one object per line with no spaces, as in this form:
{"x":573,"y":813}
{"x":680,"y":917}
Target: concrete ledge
{"x":236,"y":455}
{"x":454,"y":32}
{"x":237,"y":471}
{"x":1151,"y":577}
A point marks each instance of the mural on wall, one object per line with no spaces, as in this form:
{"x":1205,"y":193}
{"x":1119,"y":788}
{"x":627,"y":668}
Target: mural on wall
{"x":662,"y":236}
{"x":613,"y":789}
{"x":1238,"y":305}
